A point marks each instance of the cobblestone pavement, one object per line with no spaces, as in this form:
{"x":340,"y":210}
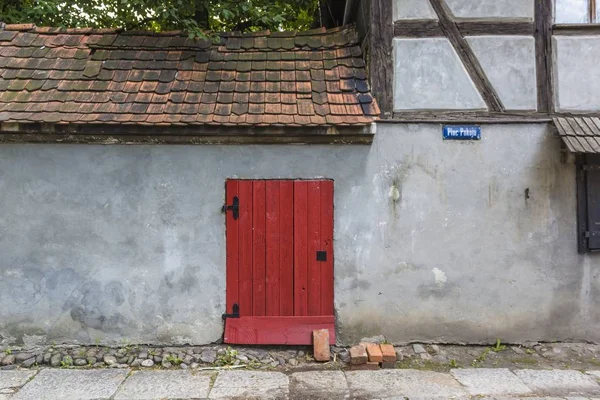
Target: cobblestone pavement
{"x":469,"y":383}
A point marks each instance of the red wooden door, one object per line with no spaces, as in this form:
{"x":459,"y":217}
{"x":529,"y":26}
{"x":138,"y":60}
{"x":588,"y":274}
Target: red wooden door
{"x":279,"y":261}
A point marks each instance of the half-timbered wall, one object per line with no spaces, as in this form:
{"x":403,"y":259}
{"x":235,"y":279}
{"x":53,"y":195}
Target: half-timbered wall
{"x":464,"y":55}
{"x":510,"y":57}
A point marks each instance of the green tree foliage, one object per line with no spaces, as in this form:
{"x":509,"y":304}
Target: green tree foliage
{"x":193,"y":16}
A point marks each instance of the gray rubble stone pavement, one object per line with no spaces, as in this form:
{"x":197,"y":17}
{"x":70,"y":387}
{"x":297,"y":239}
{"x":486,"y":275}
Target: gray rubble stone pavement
{"x":490,"y":381}
{"x":59,"y":384}
{"x":558,"y":382}
{"x":329,"y":385}
{"x":250,"y":385}
{"x":151,"y":385}
{"x":402,"y":382}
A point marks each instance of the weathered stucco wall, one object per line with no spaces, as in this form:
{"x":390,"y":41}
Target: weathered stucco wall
{"x":413,"y":9}
{"x":576,"y":63}
{"x":509,"y":63}
{"x":429,"y":75}
{"x":492,"y":8}
{"x":434,"y":240}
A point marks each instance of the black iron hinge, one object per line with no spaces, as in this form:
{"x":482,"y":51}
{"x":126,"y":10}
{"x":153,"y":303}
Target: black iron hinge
{"x":235,"y":207}
{"x":234,"y":314}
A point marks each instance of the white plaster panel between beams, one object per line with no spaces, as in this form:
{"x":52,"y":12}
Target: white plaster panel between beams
{"x":576,"y":72}
{"x":492,"y":8}
{"x":413,"y":9}
{"x":509,"y":63}
{"x":429,"y":75}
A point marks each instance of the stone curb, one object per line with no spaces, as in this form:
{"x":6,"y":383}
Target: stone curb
{"x":157,"y":384}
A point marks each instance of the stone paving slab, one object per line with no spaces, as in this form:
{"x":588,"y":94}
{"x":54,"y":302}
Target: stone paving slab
{"x":558,"y":382}
{"x":407,"y":383}
{"x":329,"y":385}
{"x":14,"y":379}
{"x":490,"y":381}
{"x":59,"y":384}
{"x":158,"y":385}
{"x":594,"y":373}
{"x":250,"y":385}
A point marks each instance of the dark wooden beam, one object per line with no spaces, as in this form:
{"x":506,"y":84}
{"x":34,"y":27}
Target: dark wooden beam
{"x":576,"y":29}
{"x":418,"y":28}
{"x":543,"y":54}
{"x":381,"y":63}
{"x":423,"y":28}
{"x":480,"y":117}
{"x":471,"y":117}
{"x":495,"y":26}
{"x":470,"y":62}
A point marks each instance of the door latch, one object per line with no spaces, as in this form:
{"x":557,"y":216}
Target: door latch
{"x":321,"y":256}
{"x":235,"y":207}
{"x":234,"y":314}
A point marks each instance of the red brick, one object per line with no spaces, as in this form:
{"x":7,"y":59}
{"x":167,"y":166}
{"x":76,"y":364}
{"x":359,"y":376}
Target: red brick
{"x":374,"y":353}
{"x":365,"y":366}
{"x":321,"y":345}
{"x":358,"y":355}
{"x":389,"y":353}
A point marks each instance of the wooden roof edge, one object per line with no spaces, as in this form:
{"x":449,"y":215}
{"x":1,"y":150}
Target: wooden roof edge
{"x":13,"y":132}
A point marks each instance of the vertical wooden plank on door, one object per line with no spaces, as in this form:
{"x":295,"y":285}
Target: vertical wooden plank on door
{"x":300,"y":248}
{"x":327,"y":245}
{"x":231,"y":239}
{"x":245,"y":248}
{"x":259,"y":248}
{"x":286,"y":248}
{"x":314,"y":244}
{"x":272,"y":248}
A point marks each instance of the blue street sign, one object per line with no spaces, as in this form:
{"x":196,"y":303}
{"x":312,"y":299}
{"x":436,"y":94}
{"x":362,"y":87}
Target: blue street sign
{"x":462,"y":132}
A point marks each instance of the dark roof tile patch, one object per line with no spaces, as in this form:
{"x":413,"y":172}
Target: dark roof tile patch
{"x":83,"y":75}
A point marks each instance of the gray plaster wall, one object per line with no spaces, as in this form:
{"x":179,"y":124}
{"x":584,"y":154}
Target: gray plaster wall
{"x":576,"y":66}
{"x":509,"y":64}
{"x":434,"y":240}
{"x":428,"y":74}
{"x":491,"y":8}
{"x":413,"y":9}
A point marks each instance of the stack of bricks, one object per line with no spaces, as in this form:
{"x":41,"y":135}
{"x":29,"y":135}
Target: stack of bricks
{"x":369,"y":356}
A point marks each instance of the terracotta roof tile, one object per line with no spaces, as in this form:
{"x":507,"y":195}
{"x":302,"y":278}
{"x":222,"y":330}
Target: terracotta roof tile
{"x":85,"y":75}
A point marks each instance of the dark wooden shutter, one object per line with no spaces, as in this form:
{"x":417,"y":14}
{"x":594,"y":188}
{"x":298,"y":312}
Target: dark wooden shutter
{"x":593,"y":206}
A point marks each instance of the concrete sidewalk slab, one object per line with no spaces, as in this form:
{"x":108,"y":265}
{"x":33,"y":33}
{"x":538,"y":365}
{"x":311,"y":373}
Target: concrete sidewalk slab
{"x":59,"y":384}
{"x":558,"y":382}
{"x":250,"y":385}
{"x":329,"y":385}
{"x":10,"y":380}
{"x":408,"y":383}
{"x":490,"y":382}
{"x":157,"y":385}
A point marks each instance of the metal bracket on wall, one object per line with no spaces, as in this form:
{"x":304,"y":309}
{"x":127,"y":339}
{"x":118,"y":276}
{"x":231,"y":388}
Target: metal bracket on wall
{"x":321,"y":256}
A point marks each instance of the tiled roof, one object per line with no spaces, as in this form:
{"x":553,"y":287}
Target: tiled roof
{"x":580,"y":134}
{"x":82,"y":76}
